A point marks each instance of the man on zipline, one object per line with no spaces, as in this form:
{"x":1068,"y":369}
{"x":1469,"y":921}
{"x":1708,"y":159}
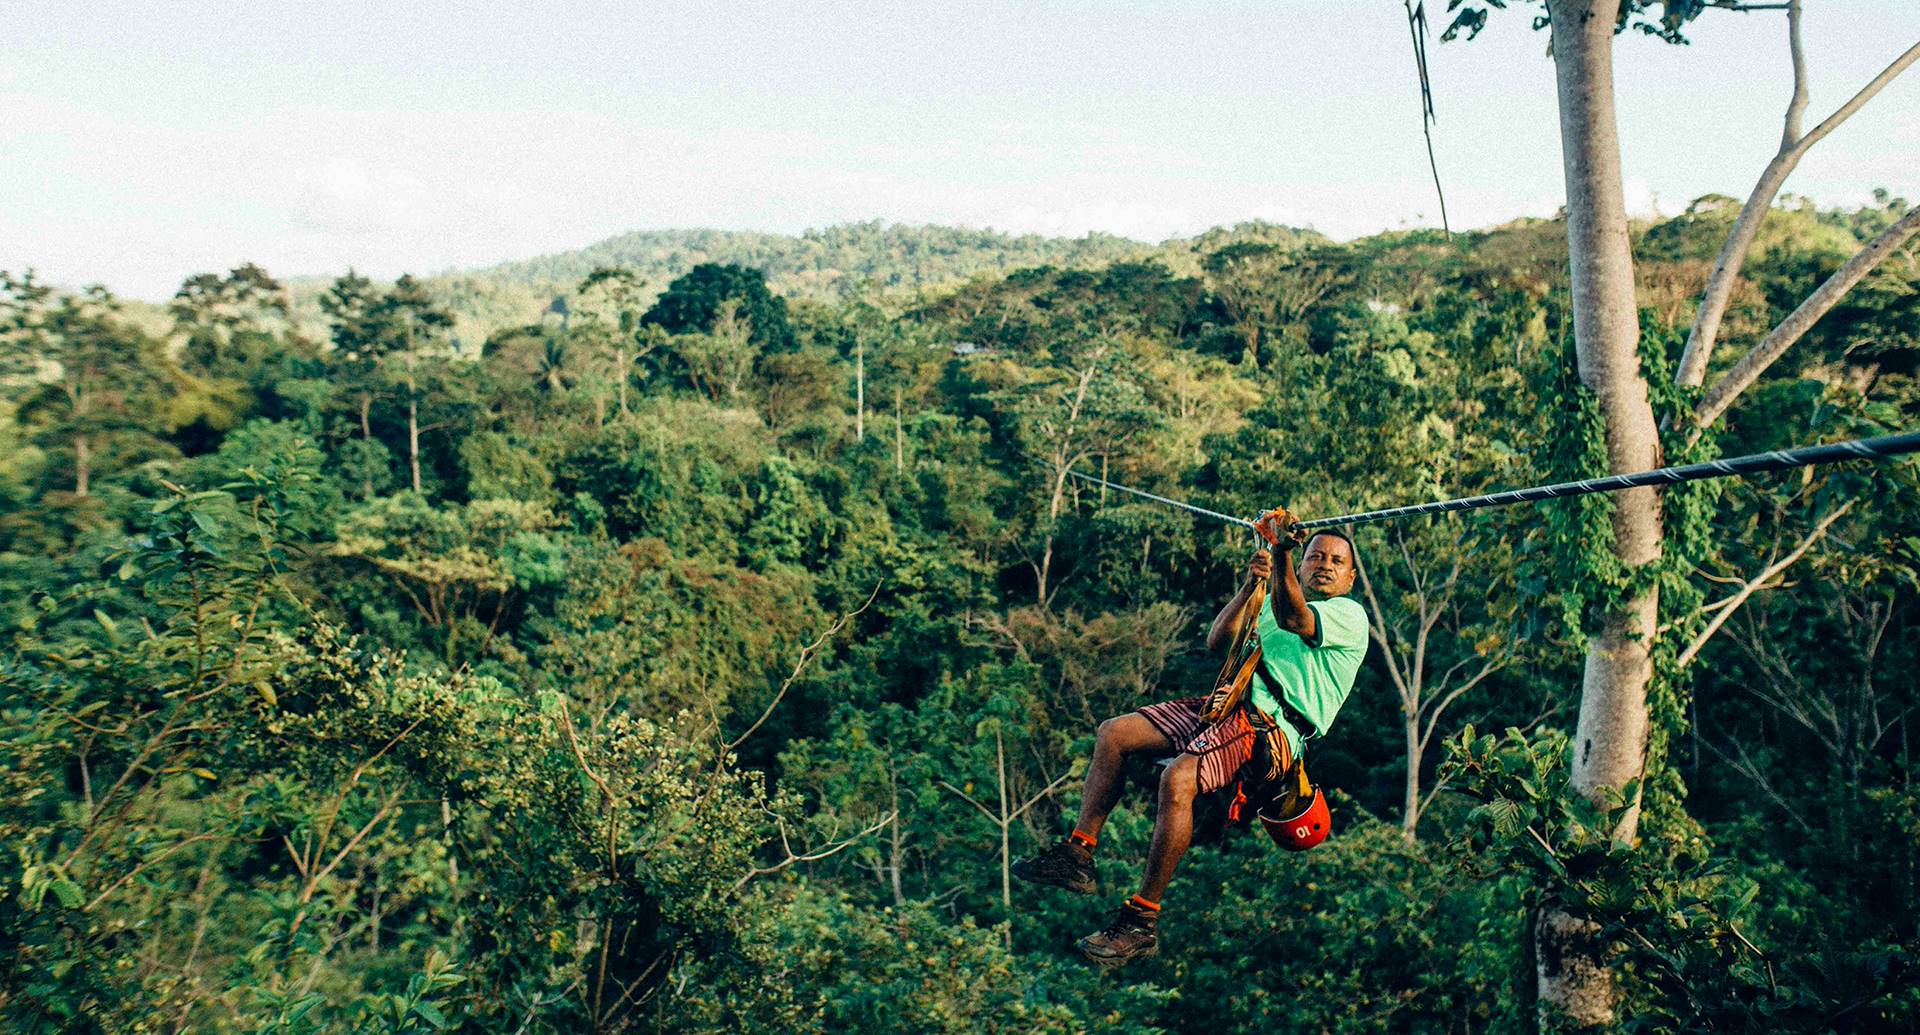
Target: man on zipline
{"x":1312,"y":639}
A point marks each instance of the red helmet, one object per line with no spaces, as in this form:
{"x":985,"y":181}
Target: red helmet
{"x":1301,"y":832}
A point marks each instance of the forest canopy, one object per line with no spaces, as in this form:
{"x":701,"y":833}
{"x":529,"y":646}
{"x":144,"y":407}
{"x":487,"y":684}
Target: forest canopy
{"x":680,"y":634}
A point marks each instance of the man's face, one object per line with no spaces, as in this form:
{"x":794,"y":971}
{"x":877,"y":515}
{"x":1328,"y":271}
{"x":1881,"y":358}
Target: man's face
{"x":1326,"y":567}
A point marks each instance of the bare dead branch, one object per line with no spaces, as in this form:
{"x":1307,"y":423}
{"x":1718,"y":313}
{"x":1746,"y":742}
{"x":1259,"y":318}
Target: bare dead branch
{"x":1726,"y":607}
{"x":987,"y":812}
{"x":833,"y":848}
{"x":1745,"y":766}
{"x":807,"y":654}
{"x":1748,"y":370}
{"x":1433,"y":717}
{"x":1793,"y":146}
{"x":1036,"y":799}
{"x":1379,"y":634}
{"x":135,"y":872}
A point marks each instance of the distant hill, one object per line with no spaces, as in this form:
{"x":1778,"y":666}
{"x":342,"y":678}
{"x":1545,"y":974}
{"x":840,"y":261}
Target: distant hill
{"x":819,"y":265}
{"x":826,"y":262}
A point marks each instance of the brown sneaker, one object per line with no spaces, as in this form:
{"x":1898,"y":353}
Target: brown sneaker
{"x":1065,"y":865}
{"x":1130,"y":936}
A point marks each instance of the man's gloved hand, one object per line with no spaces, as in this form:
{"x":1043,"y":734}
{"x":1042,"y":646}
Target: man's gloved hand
{"x":1276,"y":526}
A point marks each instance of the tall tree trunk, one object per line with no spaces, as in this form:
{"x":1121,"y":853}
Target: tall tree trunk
{"x":859,"y":389}
{"x":413,"y":435}
{"x":366,"y":435}
{"x":1610,"y":740}
{"x":896,"y":839}
{"x":621,"y":368}
{"x":899,"y":437}
{"x":1410,"y":811}
{"x":82,"y":464}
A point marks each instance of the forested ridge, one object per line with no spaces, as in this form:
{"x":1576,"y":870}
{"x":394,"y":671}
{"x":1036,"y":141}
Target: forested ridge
{"x":829,"y":264}
{"x":692,"y":653}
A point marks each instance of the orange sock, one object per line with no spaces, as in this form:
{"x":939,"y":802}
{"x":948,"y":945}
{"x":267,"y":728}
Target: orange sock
{"x":1086,"y":841}
{"x":1140,"y":903}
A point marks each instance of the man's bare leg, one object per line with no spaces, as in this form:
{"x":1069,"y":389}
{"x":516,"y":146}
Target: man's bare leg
{"x":1132,"y":933}
{"x":1069,"y":864}
{"x":1113,"y":742}
{"x":1172,"y":825}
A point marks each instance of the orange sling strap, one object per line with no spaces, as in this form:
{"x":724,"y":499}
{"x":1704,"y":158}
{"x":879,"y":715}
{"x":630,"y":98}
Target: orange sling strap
{"x":1236,"y":674}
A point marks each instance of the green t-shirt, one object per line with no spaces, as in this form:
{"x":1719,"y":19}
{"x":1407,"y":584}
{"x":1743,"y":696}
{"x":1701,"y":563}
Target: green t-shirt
{"x":1317,"y":676}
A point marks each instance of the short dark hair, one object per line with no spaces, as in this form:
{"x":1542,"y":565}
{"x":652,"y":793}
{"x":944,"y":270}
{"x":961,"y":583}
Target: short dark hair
{"x":1353,"y":551}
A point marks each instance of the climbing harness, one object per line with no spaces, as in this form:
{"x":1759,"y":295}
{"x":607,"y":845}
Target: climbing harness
{"x":1884,"y":447}
{"x":1313,"y":821}
{"x":1243,"y":657}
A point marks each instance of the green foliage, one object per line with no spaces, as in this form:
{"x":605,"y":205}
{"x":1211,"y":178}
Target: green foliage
{"x":686,"y":690}
{"x":694,"y":303}
{"x":1669,"y":25}
{"x":822,"y":964}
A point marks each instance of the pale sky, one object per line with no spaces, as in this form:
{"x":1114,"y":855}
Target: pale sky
{"x":142,"y":142}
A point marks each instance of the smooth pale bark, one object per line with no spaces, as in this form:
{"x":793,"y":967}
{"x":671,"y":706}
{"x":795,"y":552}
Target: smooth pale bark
{"x":1066,"y":454}
{"x":413,"y":437}
{"x":82,"y":465}
{"x":1575,"y":981}
{"x":1748,"y":370}
{"x":1611,"y":736}
{"x":1793,"y":145}
{"x":1610,"y":740}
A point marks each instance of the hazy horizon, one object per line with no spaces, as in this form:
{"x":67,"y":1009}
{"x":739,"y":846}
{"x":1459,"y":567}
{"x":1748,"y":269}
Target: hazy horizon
{"x":145,"y":146}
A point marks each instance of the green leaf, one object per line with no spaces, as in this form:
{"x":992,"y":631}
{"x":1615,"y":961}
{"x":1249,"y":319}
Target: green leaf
{"x":206,"y":523}
{"x":68,"y":893}
{"x":432,"y":1015}
{"x":1505,"y":813}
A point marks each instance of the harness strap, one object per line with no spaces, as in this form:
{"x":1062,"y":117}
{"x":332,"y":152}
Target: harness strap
{"x":1294,"y":716}
{"x":1242,"y":663}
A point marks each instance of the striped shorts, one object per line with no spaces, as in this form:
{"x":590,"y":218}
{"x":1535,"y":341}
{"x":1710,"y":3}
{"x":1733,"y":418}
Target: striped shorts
{"x":1222,"y":747}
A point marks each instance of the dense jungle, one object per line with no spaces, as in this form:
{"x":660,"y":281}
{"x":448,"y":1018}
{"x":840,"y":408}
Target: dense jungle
{"x":685,"y":635}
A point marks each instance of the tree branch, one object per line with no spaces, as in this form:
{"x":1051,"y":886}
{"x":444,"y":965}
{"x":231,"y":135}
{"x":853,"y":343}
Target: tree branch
{"x":1433,"y":718}
{"x":1727,"y":607}
{"x":806,"y":658}
{"x":1037,"y":798}
{"x":831,"y":849}
{"x":1755,"y":362}
{"x":987,"y":812}
{"x":1379,"y":632}
{"x":135,"y":872}
{"x":1733,"y":254}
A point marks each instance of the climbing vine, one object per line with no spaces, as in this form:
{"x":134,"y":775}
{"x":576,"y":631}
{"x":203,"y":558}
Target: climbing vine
{"x":1589,"y":579}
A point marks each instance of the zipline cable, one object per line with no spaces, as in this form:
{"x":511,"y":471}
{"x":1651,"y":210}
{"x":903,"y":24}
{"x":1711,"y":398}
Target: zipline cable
{"x":1202,"y":511}
{"x":1884,"y":447}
